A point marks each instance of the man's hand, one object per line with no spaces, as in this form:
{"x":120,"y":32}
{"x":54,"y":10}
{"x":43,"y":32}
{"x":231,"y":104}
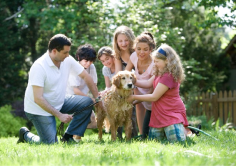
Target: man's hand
{"x":65,"y":118}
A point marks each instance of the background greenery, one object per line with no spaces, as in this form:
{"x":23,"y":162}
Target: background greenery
{"x":192,"y":27}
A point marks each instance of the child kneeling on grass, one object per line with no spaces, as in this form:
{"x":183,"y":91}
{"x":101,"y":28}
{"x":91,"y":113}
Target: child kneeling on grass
{"x":168,"y":116}
{"x":85,"y":55}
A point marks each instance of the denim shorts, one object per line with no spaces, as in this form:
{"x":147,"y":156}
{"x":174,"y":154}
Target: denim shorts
{"x":173,"y":133}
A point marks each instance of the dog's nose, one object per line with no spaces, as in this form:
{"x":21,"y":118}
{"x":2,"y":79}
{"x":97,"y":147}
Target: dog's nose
{"x":130,"y":85}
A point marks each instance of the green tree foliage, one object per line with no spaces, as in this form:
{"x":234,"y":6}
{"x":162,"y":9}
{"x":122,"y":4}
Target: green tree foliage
{"x":13,"y":66}
{"x":189,"y":26}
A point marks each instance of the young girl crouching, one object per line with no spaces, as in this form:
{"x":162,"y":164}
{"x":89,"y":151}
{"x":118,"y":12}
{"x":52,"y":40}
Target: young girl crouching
{"x":168,"y":116}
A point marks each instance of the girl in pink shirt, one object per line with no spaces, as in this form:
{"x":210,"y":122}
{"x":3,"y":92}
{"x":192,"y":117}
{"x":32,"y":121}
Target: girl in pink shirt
{"x":168,"y":116}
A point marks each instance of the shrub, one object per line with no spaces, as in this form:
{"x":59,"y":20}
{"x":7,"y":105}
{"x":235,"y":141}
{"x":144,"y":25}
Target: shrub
{"x":10,"y":124}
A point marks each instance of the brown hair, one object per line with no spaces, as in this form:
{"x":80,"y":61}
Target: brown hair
{"x":145,"y":37}
{"x":105,"y":50}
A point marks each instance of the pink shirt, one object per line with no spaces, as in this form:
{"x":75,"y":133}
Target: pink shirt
{"x":169,"y":109}
{"x":145,"y":76}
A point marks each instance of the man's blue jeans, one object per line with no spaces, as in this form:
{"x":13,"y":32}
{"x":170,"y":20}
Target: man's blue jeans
{"x":46,"y":125}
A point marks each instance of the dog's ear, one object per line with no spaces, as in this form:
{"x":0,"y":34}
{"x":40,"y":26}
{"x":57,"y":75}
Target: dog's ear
{"x":134,"y":78}
{"x":116,"y":80}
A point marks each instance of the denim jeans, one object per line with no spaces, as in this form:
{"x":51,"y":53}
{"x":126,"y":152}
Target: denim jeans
{"x":46,"y":125}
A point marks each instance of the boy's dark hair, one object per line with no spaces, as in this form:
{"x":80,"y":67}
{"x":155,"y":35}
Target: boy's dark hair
{"x":58,"y":42}
{"x":86,"y":52}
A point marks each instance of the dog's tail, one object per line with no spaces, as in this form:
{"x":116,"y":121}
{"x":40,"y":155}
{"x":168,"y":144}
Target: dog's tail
{"x":107,"y":125}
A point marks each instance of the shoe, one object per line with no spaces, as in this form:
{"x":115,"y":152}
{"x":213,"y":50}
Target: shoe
{"x":22,"y":132}
{"x":69,"y":141}
{"x":195,"y":131}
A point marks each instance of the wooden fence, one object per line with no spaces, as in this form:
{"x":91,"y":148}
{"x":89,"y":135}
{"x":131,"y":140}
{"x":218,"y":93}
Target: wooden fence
{"x":220,"y":105}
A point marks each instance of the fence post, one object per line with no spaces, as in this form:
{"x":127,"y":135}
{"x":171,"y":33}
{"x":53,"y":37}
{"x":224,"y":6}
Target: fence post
{"x":225,"y":107}
{"x":230,"y":103}
{"x":221,"y":115}
{"x":203,"y":110}
{"x":215,"y":106}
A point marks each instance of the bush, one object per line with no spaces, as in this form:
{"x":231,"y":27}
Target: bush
{"x":18,"y":111}
{"x":195,"y":120}
{"x":10,"y":124}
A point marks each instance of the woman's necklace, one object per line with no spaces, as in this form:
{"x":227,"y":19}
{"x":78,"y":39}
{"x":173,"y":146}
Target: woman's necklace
{"x":146,"y":67}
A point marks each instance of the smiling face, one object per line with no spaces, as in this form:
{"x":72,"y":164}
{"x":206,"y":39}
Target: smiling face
{"x":123,"y":42}
{"x":85,"y":63}
{"x":107,"y":61}
{"x":160,"y":64}
{"x":143,"y":51}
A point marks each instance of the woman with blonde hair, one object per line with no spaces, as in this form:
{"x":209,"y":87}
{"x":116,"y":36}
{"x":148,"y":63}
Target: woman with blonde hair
{"x":123,"y":40}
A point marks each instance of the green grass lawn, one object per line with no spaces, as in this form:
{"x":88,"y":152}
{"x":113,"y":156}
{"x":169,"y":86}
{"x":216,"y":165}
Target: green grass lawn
{"x":201,"y":150}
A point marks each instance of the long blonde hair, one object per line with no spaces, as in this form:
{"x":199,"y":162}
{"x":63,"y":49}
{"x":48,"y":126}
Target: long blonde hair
{"x":130,"y":35}
{"x":174,"y":65}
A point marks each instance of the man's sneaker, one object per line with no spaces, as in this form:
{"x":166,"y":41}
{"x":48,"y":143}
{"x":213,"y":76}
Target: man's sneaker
{"x":22,"y":132}
{"x":69,"y":141}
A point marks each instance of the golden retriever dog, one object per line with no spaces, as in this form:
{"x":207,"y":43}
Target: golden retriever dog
{"x":116,"y":110}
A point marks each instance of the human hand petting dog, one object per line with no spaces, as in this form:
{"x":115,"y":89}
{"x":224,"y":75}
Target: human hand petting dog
{"x":130,"y":99}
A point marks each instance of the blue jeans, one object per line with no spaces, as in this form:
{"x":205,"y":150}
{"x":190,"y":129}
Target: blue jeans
{"x":46,"y":125}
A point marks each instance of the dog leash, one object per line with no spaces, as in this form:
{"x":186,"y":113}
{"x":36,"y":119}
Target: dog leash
{"x":60,"y":129}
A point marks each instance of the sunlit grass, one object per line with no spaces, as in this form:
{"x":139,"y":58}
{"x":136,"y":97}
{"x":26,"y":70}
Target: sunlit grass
{"x":201,"y":150}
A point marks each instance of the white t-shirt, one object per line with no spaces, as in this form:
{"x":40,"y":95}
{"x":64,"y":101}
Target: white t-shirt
{"x":106,"y":71}
{"x":75,"y":80}
{"x":45,"y":74}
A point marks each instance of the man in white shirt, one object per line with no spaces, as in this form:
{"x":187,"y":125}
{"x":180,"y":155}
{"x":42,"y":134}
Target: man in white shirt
{"x":45,"y":95}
